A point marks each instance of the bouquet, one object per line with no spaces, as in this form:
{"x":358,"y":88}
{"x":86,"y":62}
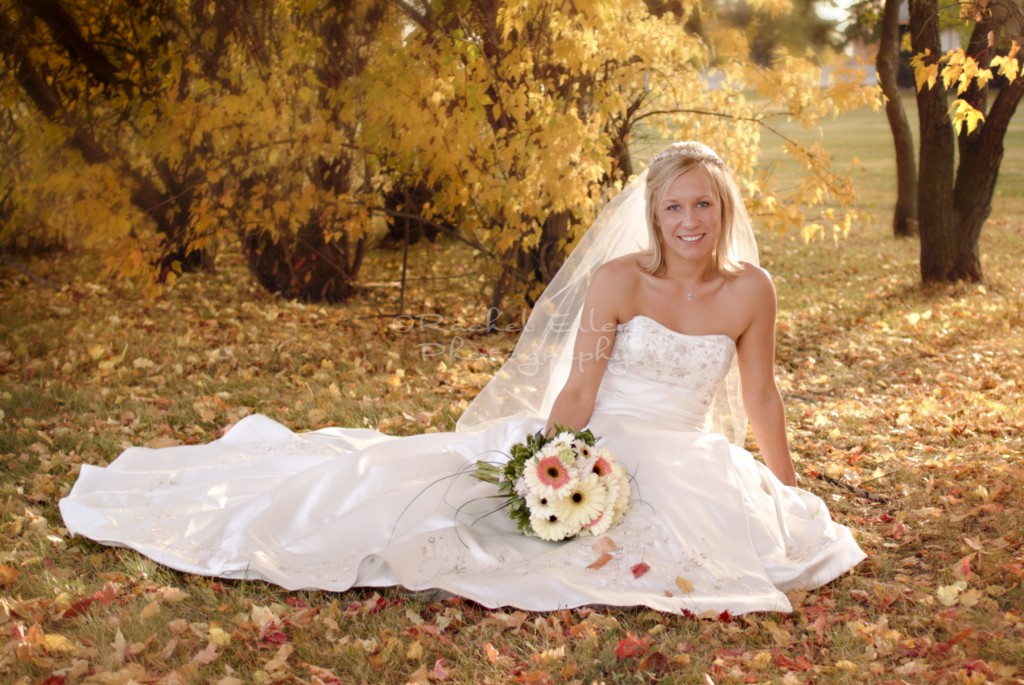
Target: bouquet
{"x":560,"y":487}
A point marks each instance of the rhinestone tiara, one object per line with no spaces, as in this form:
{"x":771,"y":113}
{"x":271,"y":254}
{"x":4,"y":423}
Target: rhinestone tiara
{"x":691,"y":149}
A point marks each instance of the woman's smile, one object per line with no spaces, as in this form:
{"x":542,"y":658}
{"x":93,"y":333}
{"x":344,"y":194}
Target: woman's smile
{"x":689,"y":214}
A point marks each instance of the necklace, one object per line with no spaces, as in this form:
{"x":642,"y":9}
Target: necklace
{"x":689,"y":297}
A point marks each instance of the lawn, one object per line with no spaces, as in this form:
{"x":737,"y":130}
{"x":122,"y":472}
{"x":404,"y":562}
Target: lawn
{"x":914,"y":397}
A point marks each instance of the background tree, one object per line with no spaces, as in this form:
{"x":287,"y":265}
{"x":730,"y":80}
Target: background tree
{"x":904,"y":220}
{"x":108,"y":100}
{"x":293,"y":126}
{"x":524,"y":115}
{"x":961,"y":145}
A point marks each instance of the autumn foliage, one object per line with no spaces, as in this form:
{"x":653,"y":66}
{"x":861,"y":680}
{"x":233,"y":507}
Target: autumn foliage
{"x":158,"y":132}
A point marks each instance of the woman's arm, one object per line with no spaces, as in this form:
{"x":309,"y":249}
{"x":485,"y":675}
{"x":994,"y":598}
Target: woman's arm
{"x":594,"y":341}
{"x":761,"y":397}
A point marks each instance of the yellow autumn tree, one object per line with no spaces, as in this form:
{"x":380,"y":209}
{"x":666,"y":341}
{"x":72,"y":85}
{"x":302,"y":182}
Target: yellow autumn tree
{"x":523,"y":116}
{"x":291,"y":126}
{"x":187,"y":123}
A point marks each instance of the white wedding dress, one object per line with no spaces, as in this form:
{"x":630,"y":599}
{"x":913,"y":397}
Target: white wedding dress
{"x":340,"y":507}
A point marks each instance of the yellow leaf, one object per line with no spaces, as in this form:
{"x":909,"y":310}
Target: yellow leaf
{"x":970,"y":598}
{"x":150,"y":610}
{"x":171,"y":594}
{"x":55,"y":643}
{"x":684,"y":585}
{"x":950,"y":594}
{"x":219,"y":637}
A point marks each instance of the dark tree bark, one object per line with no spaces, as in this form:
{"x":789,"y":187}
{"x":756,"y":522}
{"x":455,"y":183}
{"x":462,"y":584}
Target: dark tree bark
{"x":303,"y":267}
{"x":955,"y":201}
{"x":904,"y":220}
{"x":308,"y":264}
{"x":168,"y":207}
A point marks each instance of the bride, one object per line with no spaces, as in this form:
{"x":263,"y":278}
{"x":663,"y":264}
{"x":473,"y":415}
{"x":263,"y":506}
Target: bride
{"x":646,"y":347}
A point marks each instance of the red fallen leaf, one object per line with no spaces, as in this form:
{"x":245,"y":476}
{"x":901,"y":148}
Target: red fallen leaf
{"x":375,"y":604}
{"x":274,"y":637}
{"x":979,"y":665}
{"x":640,"y":569}
{"x":601,"y":561}
{"x":296,"y":602}
{"x":53,"y":680}
{"x":440,"y":671}
{"x":79,"y":607}
{"x":324,"y":675}
{"x":630,"y":646}
{"x":798,"y":664}
{"x":535,"y":678}
{"x":725,"y":617}
{"x":897,"y":531}
{"x":965,"y":566}
{"x":1013,"y":568}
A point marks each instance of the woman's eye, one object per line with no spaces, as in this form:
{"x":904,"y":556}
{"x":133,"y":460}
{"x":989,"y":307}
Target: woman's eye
{"x":703,"y":203}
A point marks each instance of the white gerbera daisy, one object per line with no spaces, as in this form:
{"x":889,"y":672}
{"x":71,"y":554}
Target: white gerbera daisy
{"x":564,"y":437}
{"x":539,"y":504}
{"x":551,"y":526}
{"x":585,"y":500}
{"x":602,"y":523}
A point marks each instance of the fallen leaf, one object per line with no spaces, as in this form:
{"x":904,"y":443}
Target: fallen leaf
{"x":948,"y":595}
{"x":219,"y":636}
{"x":655,"y":663}
{"x":639,"y":569}
{"x":207,"y":655}
{"x":601,"y":561}
{"x":8,"y":575}
{"x":684,"y":585}
{"x":630,"y":646}
{"x":150,"y":610}
{"x":280,"y":659}
{"x":440,"y":671}
{"x":54,"y":643}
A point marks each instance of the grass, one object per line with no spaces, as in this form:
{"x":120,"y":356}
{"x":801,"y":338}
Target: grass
{"x":914,"y":395}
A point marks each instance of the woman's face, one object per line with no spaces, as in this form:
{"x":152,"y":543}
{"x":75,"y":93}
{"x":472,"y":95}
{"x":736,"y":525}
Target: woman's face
{"x":690,"y":216}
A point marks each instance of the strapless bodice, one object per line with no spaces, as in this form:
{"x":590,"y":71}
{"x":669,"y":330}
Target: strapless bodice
{"x":662,"y":376}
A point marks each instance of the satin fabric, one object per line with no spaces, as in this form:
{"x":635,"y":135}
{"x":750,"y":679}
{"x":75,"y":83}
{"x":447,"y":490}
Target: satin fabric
{"x":709,"y":527}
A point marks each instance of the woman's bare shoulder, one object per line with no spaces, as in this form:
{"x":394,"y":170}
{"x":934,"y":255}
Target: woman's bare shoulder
{"x":754,"y":281}
{"x":616,"y":281}
{"x":622,"y":269}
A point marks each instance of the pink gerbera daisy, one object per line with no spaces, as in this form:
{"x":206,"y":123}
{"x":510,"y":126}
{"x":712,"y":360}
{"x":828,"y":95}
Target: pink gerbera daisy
{"x":601,"y":467}
{"x":548,"y":476}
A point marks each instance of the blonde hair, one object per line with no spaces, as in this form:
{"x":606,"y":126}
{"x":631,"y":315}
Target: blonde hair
{"x":662,"y":172}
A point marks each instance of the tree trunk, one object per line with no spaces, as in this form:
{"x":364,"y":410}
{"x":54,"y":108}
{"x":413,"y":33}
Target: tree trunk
{"x":904,"y":220}
{"x":953,"y":208}
{"x":306,"y":266}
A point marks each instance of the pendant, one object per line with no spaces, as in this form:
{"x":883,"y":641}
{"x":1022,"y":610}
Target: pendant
{"x":689,"y":296}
